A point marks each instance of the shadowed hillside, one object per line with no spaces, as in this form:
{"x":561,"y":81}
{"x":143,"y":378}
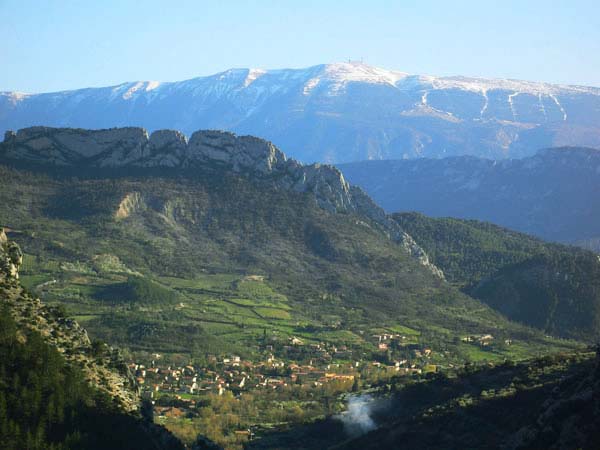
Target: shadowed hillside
{"x":552,"y":195}
{"x":549,"y":286}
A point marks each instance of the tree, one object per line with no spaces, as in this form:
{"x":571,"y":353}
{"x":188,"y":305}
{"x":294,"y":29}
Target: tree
{"x":147,"y":410}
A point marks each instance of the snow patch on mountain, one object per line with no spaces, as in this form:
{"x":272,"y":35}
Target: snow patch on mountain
{"x":310,"y":85}
{"x":485,"y":104}
{"x":14,"y":97}
{"x":512,"y":105}
{"x":129,"y":93}
{"x":553,"y":97}
{"x":151,"y":85}
{"x":338,"y":75}
{"x":360,"y":72}
{"x":481,"y":85}
{"x":253,"y":75}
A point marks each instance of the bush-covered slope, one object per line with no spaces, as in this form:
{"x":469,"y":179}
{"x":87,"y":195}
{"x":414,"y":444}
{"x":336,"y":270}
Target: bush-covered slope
{"x":57,"y":390}
{"x":470,"y":250}
{"x":45,"y":403}
{"x":551,"y":403}
{"x":549,"y":286}
{"x":558,"y":292}
{"x":544,"y":403}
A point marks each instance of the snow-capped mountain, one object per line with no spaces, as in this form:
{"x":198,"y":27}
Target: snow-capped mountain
{"x":336,"y":112}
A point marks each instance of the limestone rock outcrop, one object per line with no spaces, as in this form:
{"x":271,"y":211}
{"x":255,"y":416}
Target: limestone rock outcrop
{"x":132,"y":148}
{"x":11,"y":257}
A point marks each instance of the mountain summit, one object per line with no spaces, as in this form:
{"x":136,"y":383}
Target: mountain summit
{"x":336,"y":112}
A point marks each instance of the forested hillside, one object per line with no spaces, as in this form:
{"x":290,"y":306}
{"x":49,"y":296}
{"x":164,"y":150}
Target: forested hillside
{"x":50,"y":397}
{"x":45,"y":403}
{"x":549,"y":286}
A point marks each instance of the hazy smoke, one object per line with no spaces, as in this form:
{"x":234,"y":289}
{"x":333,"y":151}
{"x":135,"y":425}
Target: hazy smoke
{"x":357,"y":419}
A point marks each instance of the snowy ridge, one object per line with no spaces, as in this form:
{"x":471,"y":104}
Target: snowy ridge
{"x":483,"y":85}
{"x":337,"y":112}
{"x":342,"y":73}
{"x":335,"y":75}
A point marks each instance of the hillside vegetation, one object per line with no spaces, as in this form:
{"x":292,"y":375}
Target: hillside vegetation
{"x":57,"y":390}
{"x":192,"y":238}
{"x":550,"y":403}
{"x":45,"y":403}
{"x":549,"y":286}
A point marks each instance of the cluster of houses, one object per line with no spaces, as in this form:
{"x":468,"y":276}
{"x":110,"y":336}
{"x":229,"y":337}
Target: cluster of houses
{"x":232,"y":373}
{"x":296,"y":349}
{"x":387,"y":340}
{"x":483,"y":340}
{"x":175,"y":390}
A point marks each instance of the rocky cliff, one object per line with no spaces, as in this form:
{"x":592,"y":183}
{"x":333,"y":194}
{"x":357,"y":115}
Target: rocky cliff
{"x":11,"y":257}
{"x":101,"y":365}
{"x":133,"y":148}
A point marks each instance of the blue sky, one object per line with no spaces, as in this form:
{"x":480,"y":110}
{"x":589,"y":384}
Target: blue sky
{"x":54,"y":45}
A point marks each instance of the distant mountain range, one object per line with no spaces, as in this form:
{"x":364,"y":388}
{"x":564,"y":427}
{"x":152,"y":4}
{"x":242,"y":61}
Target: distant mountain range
{"x":554,"y":195}
{"x":336,"y":112}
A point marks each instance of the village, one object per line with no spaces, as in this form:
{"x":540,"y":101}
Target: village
{"x":174,"y":390}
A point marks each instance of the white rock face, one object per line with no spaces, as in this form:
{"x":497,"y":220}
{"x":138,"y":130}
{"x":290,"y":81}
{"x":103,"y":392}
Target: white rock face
{"x":11,"y":257}
{"x":63,"y":146}
{"x":71,"y":149}
{"x":165,"y":148}
{"x":240,"y":153}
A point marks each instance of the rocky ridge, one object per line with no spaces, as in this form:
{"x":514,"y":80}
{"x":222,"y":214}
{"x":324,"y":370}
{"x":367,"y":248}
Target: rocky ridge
{"x":133,"y":148}
{"x":102,"y":366}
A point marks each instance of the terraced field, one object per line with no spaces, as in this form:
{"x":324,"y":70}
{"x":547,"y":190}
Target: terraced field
{"x":217,"y":313}
{"x":240,"y":312}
